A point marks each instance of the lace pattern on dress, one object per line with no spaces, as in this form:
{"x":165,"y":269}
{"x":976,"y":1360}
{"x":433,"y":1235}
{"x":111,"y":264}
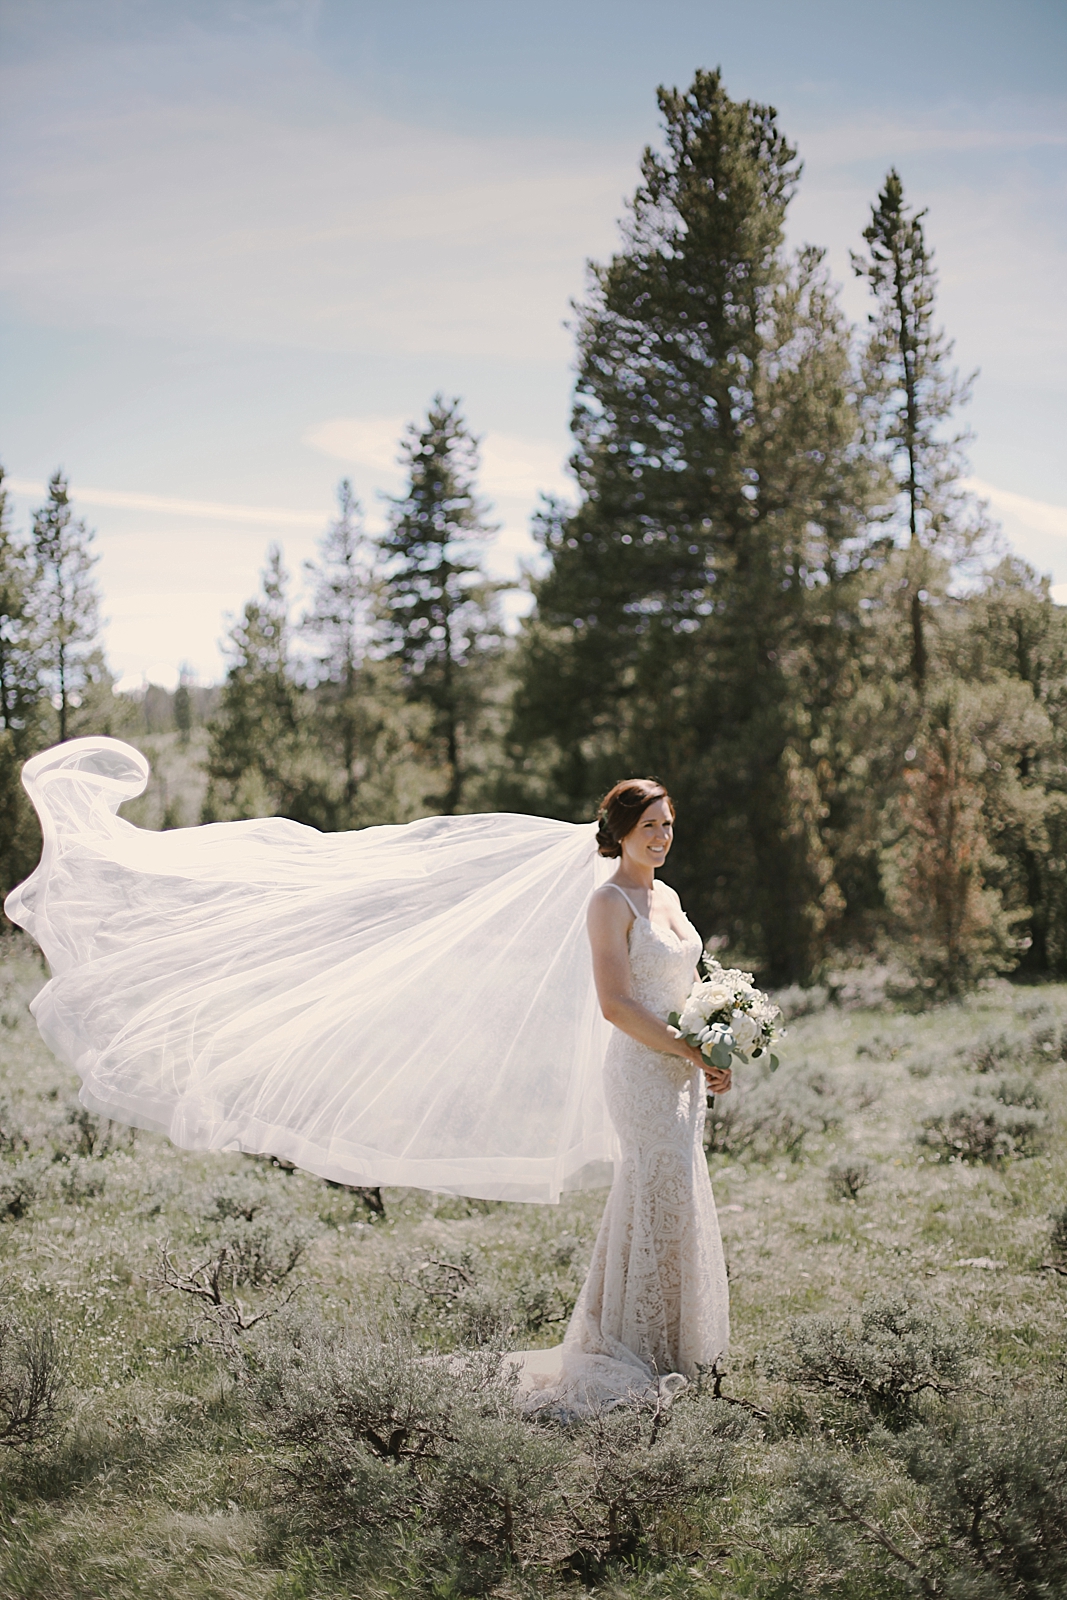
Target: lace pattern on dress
{"x":654,"y":1306}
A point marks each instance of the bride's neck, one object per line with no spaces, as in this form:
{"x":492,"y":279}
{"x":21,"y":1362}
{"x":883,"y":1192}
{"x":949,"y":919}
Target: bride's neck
{"x":637,"y":878}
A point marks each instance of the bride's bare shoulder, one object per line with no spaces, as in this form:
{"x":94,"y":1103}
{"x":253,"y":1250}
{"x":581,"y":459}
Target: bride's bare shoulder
{"x":608,"y":906}
{"x":665,"y":892}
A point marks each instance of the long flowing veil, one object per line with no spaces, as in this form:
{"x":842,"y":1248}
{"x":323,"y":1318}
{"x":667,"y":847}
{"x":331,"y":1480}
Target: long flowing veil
{"x":405,"y":1005}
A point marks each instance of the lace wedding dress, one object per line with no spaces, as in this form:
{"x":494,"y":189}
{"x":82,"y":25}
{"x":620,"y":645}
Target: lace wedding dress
{"x":654,"y":1307}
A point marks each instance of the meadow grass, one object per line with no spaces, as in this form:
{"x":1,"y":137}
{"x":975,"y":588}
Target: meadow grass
{"x":160,"y":1478}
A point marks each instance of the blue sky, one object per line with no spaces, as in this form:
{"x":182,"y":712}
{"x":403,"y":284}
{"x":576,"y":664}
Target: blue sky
{"x":243,"y":243}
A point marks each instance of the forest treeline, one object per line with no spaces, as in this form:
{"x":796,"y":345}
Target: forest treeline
{"x":772,"y":590}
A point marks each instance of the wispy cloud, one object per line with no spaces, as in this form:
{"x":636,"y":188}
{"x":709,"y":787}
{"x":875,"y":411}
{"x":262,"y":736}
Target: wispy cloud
{"x":200,"y":510}
{"x":1036,"y":515}
{"x":512,"y":467}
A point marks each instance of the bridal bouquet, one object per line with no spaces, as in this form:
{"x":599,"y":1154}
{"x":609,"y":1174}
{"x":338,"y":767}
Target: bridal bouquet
{"x":726,"y":1015}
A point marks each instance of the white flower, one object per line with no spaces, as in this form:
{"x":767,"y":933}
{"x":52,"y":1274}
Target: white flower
{"x":744,"y":1029}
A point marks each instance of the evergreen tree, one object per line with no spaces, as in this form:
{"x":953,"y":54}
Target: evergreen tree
{"x":912,"y":392}
{"x":338,"y":621}
{"x":1009,"y":640}
{"x":362,"y":723}
{"x":183,"y":704}
{"x":255,"y":736}
{"x":700,"y":606}
{"x":64,"y":604}
{"x":439,"y":615}
{"x":954,"y":925}
{"x":21,"y":704}
{"x":20,"y":681}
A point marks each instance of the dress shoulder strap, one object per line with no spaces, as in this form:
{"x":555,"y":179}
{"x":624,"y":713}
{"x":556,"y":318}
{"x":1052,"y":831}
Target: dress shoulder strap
{"x":626,"y":897}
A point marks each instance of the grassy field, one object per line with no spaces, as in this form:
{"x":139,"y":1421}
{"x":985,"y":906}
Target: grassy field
{"x":902,"y":1165}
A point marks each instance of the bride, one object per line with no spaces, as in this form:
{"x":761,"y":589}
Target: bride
{"x":654,"y":1306}
{"x":464,"y":1004}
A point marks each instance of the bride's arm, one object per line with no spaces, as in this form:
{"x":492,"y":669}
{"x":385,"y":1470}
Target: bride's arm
{"x":608,"y":922}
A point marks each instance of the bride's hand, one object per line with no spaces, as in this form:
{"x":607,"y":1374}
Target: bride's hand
{"x":718,"y":1079}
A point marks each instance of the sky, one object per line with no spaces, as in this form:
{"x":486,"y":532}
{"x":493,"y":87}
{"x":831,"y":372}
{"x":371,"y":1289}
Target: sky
{"x":243,"y":242}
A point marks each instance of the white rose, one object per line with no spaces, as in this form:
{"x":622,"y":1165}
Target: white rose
{"x":744,"y":1029}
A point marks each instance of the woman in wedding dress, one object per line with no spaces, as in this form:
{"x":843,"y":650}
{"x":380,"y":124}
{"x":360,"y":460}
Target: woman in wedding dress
{"x":417,"y":1005}
{"x":654,"y":1306}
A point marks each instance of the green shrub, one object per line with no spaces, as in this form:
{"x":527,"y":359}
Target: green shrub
{"x":33,"y":1375}
{"x":82,"y":1178}
{"x":896,"y":1351}
{"x":848,"y":1179}
{"x":997,"y":1486}
{"x":21,"y":1183}
{"x":993,"y":1049}
{"x":13,"y":1140}
{"x":372,"y":1442}
{"x":85,"y":1134}
{"x":262,"y":1234}
{"x":376,"y":1447}
{"x":972,"y":1508}
{"x":1058,"y":1235}
{"x":981,"y":1128}
{"x":771,"y":1116}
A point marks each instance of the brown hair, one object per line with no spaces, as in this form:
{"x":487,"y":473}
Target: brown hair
{"x":622,"y":808}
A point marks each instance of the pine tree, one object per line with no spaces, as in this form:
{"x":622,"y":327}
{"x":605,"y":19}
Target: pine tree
{"x":362,"y":722}
{"x":20,"y":682}
{"x":439,"y":615}
{"x":339,"y":621}
{"x":698,"y":611}
{"x":64,"y":604}
{"x":953,"y":924}
{"x":253,"y":756}
{"x":21,"y":703}
{"x":183,"y":704}
{"x":912,"y":392}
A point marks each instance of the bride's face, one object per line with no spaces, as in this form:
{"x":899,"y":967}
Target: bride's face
{"x":647,"y":844}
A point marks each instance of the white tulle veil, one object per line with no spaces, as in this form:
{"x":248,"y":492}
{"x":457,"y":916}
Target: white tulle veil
{"x":399,"y":1005}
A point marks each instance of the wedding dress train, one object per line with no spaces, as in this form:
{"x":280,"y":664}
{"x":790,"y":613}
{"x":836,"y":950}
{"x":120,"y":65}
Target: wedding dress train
{"x":401,"y":1005}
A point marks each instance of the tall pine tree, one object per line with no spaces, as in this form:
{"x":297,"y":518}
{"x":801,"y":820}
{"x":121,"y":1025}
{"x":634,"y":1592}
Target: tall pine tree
{"x":253,"y":758}
{"x":912,"y":391}
{"x":65,"y":605}
{"x":361,"y":723}
{"x":439,"y":613}
{"x":696,"y":616}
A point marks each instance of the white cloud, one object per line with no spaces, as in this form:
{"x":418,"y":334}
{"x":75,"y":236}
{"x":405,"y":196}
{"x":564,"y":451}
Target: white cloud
{"x":200,"y":510}
{"x":512,"y":468}
{"x":370,"y":442}
{"x":1036,"y":515}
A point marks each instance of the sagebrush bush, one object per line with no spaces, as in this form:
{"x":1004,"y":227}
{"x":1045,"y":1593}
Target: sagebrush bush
{"x":770,"y":1117}
{"x":993,"y":1049}
{"x":1058,"y":1235}
{"x":374,"y":1443}
{"x":848,"y":1179}
{"x":972,"y":1506}
{"x":264,"y":1237}
{"x":21,"y":1182}
{"x":980,"y":1128}
{"x":997,"y":1485}
{"x":85,"y":1134}
{"x":895,"y":1351}
{"x":457,"y":1300}
{"x":33,"y":1376}
{"x":374,"y":1440}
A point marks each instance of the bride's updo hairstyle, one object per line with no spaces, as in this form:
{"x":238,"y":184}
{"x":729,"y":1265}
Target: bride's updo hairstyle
{"x":621,"y":810}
